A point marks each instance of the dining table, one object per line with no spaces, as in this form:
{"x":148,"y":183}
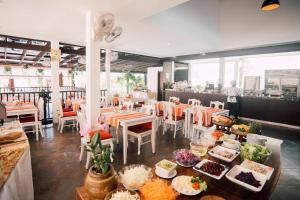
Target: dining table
{"x":223,"y":188}
{"x":126,"y":118}
{"x":26,"y":109}
{"x":208,"y":114}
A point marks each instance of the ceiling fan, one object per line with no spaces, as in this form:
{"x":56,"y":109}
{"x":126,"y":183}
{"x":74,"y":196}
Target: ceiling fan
{"x":103,"y":28}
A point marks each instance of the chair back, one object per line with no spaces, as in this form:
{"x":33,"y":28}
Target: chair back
{"x":128,"y":105}
{"x":216,"y":104}
{"x":82,"y":122}
{"x":168,"y":111}
{"x":40,"y":106}
{"x":174,"y":99}
{"x":198,"y":116}
{"x":194,"y":102}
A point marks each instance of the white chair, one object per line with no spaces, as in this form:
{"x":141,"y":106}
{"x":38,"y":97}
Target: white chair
{"x":140,"y":132}
{"x":198,"y":121}
{"x":128,"y":105}
{"x":216,"y":104}
{"x":64,"y":117}
{"x":170,"y":119}
{"x":194,"y":102}
{"x":108,"y":140}
{"x":174,"y":99}
{"x":29,"y":120}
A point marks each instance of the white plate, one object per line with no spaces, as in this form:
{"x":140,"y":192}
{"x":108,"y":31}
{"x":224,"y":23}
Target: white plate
{"x":247,"y":162}
{"x":213,"y":176}
{"x":219,"y":148}
{"x":238,"y":169}
{"x":174,"y":185}
{"x":166,"y":177}
{"x":182,"y":165}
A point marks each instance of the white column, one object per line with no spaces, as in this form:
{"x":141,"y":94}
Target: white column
{"x":92,"y":73}
{"x":189,"y":73}
{"x":236,"y":72}
{"x":222,"y":72}
{"x":107,"y":74}
{"x":55,"y":81}
{"x":168,"y":71}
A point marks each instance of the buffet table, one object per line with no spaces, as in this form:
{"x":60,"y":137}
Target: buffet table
{"x":223,"y":187}
{"x":260,"y":108}
{"x":17,"y":176}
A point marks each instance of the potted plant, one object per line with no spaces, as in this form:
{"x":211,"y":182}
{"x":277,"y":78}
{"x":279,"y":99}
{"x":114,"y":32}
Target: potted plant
{"x":7,"y":69}
{"x":101,"y":178}
{"x":255,"y":128}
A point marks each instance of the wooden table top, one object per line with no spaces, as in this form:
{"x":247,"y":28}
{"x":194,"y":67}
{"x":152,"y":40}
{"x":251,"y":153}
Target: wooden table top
{"x":223,"y":187}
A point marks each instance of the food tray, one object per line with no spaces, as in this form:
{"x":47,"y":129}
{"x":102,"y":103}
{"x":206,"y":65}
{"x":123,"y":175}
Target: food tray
{"x":269,"y":170}
{"x":198,"y":166}
{"x":220,"y":148}
{"x":238,"y":169}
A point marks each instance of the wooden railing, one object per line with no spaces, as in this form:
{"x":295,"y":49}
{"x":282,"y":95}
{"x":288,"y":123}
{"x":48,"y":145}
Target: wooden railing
{"x":36,"y":89}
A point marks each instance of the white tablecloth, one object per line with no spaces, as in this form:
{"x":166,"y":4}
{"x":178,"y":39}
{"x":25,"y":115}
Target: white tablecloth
{"x":19,"y":185}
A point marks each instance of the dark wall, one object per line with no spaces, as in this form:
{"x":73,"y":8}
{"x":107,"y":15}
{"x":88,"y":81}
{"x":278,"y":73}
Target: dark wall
{"x":181,"y":75}
{"x":272,"y":110}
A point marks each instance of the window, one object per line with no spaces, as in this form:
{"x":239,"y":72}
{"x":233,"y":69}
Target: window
{"x":205,"y":71}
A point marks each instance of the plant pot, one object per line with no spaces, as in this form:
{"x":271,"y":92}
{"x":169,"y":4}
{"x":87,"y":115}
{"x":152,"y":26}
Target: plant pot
{"x":98,"y":185}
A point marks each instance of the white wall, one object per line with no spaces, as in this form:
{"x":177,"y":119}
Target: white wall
{"x":243,"y":24}
{"x":152,"y":78}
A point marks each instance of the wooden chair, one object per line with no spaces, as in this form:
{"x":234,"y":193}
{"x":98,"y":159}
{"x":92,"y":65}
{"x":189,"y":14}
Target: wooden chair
{"x":65,"y":117}
{"x":198,"y":122}
{"x":194,"y":102}
{"x":171,"y":118}
{"x":216,"y":104}
{"x":106,"y":138}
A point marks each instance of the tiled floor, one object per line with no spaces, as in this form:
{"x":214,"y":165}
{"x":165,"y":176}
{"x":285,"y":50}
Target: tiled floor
{"x":57,"y":171}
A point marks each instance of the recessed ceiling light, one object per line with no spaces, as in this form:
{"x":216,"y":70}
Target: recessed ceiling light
{"x":169,"y":44}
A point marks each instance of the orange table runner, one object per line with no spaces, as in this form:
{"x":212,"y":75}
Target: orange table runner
{"x":109,"y":109}
{"x":114,"y":120}
{"x":179,"y":109}
{"x":207,"y":114}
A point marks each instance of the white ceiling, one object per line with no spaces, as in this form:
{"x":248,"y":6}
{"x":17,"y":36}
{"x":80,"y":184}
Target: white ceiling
{"x":158,"y":27}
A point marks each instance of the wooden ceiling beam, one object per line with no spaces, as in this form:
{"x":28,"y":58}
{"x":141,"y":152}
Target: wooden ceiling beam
{"x":67,"y":59}
{"x":39,"y":57}
{"x":32,"y":47}
{"x":24,"y":53}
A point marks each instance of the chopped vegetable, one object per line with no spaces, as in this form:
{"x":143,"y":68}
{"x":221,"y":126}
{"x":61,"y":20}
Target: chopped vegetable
{"x":255,"y":152}
{"x":157,"y":189}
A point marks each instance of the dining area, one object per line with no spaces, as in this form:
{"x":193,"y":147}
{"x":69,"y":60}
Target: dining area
{"x":149,"y":100}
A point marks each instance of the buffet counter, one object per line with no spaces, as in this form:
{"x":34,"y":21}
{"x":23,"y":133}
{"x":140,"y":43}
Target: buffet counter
{"x":260,"y":108}
{"x":15,"y":169}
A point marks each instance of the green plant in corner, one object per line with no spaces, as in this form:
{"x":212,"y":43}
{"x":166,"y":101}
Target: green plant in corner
{"x":255,"y":128}
{"x":100,"y":154}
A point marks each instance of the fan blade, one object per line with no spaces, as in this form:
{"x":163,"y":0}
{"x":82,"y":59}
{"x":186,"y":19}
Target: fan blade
{"x":116,"y":32}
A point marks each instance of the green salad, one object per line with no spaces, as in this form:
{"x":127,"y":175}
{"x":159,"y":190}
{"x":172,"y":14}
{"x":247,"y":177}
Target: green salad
{"x":255,"y":152}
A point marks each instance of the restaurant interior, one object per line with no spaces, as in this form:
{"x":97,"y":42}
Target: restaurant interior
{"x":150,"y":100}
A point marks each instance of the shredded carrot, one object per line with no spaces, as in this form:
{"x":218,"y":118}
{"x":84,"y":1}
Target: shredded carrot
{"x":157,"y":189}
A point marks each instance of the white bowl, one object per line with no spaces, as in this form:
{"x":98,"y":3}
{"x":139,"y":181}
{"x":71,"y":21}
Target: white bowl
{"x":163,"y":171}
{"x":238,"y":169}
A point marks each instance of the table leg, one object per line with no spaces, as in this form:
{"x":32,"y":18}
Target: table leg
{"x":36,"y":126}
{"x":125,"y":140}
{"x":153,"y":135}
